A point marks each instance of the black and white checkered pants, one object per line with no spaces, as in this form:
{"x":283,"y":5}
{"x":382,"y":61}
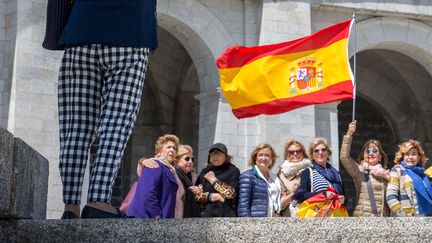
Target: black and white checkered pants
{"x":99,"y":94}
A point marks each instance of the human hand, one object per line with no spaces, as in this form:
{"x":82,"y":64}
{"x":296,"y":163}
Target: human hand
{"x":146,"y":163}
{"x":210,"y":176}
{"x":216,"y":197}
{"x":330,"y":195}
{"x":351,"y":128}
{"x":196,"y":190}
{"x":285,"y":200}
{"x":294,"y":187}
{"x":341,"y":199}
{"x":149,"y":163}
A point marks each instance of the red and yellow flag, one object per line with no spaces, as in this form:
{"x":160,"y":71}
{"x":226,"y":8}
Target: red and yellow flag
{"x":276,"y":78}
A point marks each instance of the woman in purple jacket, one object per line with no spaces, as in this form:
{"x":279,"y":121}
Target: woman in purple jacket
{"x":155,"y":195}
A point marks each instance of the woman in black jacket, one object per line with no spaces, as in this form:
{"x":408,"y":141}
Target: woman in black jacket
{"x":217,"y":186}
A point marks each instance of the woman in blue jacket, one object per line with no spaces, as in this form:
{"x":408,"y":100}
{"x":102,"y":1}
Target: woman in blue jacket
{"x":260,"y":190}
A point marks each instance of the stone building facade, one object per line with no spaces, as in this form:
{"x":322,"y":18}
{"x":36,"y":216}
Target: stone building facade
{"x":393,"y":61}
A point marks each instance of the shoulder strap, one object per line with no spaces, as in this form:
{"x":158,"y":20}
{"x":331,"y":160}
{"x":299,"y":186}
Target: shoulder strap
{"x":371,"y":193}
{"x":311,"y":178}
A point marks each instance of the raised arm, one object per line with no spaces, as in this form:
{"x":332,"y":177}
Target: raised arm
{"x":349,"y":163}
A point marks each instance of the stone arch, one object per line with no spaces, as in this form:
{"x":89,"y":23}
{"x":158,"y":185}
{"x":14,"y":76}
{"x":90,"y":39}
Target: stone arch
{"x":413,"y":40}
{"x":201,"y":33}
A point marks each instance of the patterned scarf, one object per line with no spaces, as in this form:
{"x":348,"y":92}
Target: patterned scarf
{"x":377,"y":170}
{"x":422,"y":188}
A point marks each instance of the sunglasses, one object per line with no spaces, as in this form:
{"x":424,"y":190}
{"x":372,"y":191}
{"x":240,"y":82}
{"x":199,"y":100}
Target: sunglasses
{"x":187,"y":159}
{"x":292,"y":152}
{"x":323,"y":150}
{"x":375,"y":151}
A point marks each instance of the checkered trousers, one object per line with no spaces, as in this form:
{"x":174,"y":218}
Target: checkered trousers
{"x":99,"y":92}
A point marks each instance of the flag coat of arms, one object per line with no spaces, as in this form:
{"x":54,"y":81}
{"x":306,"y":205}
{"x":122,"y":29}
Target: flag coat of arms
{"x":277,"y":78}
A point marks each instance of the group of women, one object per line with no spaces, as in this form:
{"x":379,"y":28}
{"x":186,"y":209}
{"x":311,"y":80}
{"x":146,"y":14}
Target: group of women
{"x":169,"y":188}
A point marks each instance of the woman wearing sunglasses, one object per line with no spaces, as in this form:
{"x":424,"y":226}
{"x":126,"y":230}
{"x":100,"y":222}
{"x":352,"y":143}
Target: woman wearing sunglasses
{"x":184,"y":169}
{"x":296,"y":161}
{"x":369,"y":175}
{"x":322,"y":177}
{"x":409,"y":192}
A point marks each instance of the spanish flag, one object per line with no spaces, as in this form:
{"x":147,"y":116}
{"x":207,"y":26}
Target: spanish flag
{"x":277,"y":78}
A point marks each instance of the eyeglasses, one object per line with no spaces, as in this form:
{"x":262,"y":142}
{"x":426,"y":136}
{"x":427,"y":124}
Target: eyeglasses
{"x":292,"y":152}
{"x":322,"y":150}
{"x":375,"y":151}
{"x":216,"y":153}
{"x":189,"y":158}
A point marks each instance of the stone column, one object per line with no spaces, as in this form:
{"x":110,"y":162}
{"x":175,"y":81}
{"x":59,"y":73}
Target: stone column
{"x":284,"y":21}
{"x":326,"y":125}
{"x":32,"y":103}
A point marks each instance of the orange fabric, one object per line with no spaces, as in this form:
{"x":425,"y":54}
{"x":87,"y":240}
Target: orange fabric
{"x":319,"y":206}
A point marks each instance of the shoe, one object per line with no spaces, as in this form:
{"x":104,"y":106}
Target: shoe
{"x":91,"y":212}
{"x":69,"y":215}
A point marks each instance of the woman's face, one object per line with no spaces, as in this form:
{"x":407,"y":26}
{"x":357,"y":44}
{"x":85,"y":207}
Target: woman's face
{"x":169,"y":151}
{"x":320,"y":154}
{"x":372,"y":155}
{"x":294,"y":153}
{"x":411,"y":158}
{"x":264,"y":159}
{"x":217,"y":158}
{"x":185,"y":163}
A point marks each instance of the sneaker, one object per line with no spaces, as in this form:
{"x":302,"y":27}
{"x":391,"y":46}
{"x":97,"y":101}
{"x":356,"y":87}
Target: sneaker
{"x":91,"y":212}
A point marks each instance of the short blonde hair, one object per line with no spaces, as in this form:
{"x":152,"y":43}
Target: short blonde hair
{"x":182,"y":150}
{"x":407,"y":146}
{"x":164,"y":139}
{"x":294,"y":142}
{"x":255,"y":152}
{"x":317,"y":141}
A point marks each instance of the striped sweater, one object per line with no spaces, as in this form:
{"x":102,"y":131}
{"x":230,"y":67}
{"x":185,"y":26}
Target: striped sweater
{"x":401,"y":193}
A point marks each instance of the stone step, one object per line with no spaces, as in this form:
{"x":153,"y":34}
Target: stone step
{"x":219,"y":230}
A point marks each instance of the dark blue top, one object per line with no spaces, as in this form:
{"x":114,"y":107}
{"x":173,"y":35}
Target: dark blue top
{"x":129,"y":23}
{"x":329,"y":174}
{"x":253,"y":197}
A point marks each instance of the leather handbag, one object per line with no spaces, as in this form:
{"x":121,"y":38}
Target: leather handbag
{"x":58,"y":12}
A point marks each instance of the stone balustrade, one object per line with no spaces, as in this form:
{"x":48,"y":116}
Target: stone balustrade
{"x":23,"y":179}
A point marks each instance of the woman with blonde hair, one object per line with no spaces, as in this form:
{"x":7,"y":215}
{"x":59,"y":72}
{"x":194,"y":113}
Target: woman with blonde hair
{"x":322,"y":177}
{"x":409,"y":192}
{"x":296,"y":161}
{"x":156,"y":192}
{"x":187,"y":176}
{"x":369,"y":175}
{"x":260,"y":190}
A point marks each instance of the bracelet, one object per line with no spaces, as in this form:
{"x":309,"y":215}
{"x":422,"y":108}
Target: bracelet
{"x":214,"y":182}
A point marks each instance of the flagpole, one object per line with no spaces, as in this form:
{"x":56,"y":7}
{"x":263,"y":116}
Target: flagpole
{"x":355,"y":65}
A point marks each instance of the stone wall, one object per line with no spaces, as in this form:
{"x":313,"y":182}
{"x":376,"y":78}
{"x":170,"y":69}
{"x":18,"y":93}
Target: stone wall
{"x":24,"y":179}
{"x":219,"y":230}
